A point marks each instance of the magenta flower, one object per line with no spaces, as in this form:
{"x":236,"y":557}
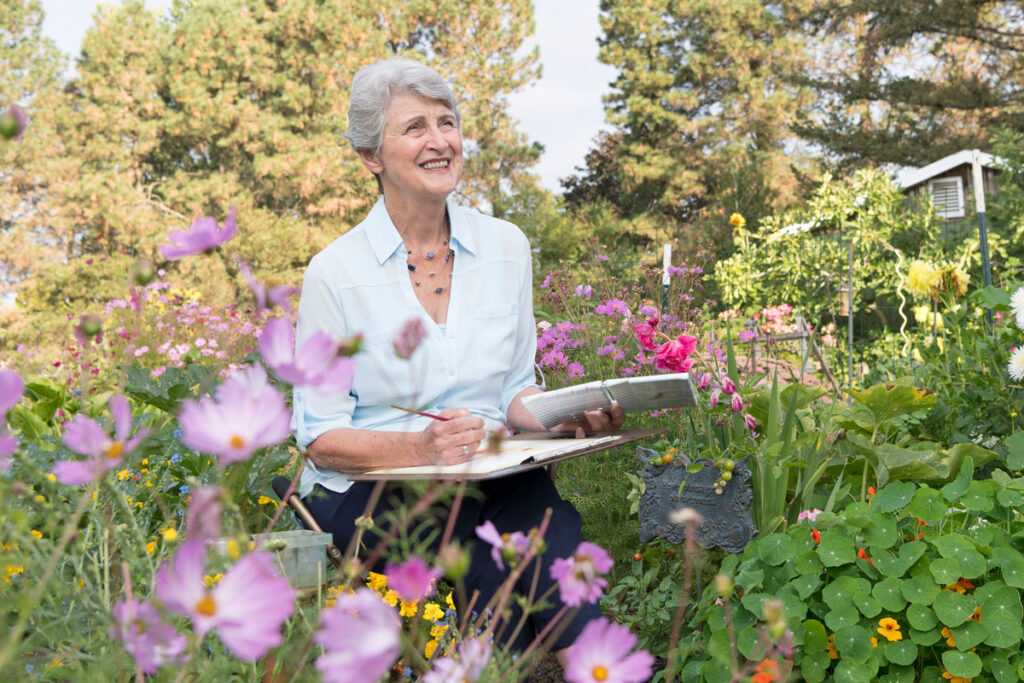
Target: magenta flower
{"x":601,"y":655}
{"x":409,"y":337}
{"x":150,"y":640}
{"x":412,"y":579}
{"x":202,"y":520}
{"x":716,"y":393}
{"x":578,"y":576}
{"x":728,"y":386}
{"x":246,"y":608}
{"x":510,"y":547}
{"x":749,"y":422}
{"x":645,"y":334}
{"x":672,"y":355}
{"x":809,"y":515}
{"x":704,"y":382}
{"x":575,"y":370}
{"x":203,"y":235}
{"x":465,"y":667}
{"x":361,"y":638}
{"x":246,"y":413}
{"x":318,"y":364}
{"x":737,"y":403}
{"x":266,"y":299}
{"x":585,"y":291}
{"x":613,"y":307}
{"x":86,"y":437}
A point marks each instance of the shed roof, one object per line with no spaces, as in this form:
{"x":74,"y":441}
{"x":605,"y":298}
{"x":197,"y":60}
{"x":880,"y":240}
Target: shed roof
{"x":910,"y":177}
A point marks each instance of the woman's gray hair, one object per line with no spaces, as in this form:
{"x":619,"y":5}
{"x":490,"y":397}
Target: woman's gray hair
{"x":372,"y":89}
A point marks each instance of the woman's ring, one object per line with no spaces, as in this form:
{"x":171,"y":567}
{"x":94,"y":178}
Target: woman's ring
{"x":465,"y":449}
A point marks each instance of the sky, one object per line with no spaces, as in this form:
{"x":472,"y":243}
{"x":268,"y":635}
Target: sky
{"x":563,"y":110}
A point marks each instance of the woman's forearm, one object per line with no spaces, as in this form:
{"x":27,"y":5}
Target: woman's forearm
{"x":519,"y":417}
{"x":361,"y":450}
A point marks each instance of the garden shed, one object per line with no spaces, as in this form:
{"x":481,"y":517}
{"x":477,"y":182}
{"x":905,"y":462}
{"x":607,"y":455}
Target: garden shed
{"x":949,"y":182}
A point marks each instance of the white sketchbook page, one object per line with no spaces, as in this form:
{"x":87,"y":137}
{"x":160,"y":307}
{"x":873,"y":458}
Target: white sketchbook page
{"x":513,"y":453}
{"x":632,"y":393}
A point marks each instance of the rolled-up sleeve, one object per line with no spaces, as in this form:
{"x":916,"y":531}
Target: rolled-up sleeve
{"x":521,"y":373}
{"x":315,"y":412}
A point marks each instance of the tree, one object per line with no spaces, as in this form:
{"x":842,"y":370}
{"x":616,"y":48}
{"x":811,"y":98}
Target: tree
{"x":911,"y":82}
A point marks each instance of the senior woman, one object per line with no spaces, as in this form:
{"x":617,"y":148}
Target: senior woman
{"x":467,"y":277}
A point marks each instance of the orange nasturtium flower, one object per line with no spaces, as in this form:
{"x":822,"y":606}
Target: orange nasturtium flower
{"x":816,"y":535}
{"x":890,"y":629}
{"x":948,"y":635}
{"x":954,"y":679}
{"x":833,"y":653}
{"x":977,"y":614}
{"x":767,"y":672}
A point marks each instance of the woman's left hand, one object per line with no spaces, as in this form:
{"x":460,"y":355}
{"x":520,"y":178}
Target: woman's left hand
{"x":594,"y":421}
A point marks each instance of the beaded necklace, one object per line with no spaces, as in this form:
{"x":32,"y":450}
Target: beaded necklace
{"x":445,"y":265}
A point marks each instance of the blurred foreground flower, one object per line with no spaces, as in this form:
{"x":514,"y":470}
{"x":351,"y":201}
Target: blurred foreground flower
{"x":86,"y":437}
{"x":409,"y":337}
{"x":318,"y":364}
{"x":412,"y":580}
{"x":465,"y":667}
{"x":244,"y":414}
{"x":602,"y":655}
{"x":150,"y":640}
{"x":246,"y":608}
{"x":579,"y":577}
{"x":203,"y":235}
{"x":279,"y":295}
{"x":509,"y":547}
{"x":202,"y":520}
{"x":13,"y":122}
{"x":361,"y":638}
{"x":11,"y":388}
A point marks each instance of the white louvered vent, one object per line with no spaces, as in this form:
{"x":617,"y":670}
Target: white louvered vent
{"x":948,"y":197}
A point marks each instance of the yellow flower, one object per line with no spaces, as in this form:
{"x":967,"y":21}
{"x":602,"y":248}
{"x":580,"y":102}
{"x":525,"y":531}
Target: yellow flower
{"x":948,"y":635}
{"x":955,"y":281}
{"x":391,"y":598}
{"x":438,"y":630}
{"x":923,"y":280}
{"x":429,"y":649}
{"x":737,"y":220}
{"x":890,"y":629}
{"x":874,"y":641}
{"x":51,"y":476}
{"x":150,"y":547}
{"x":55,"y":662}
{"x":12,"y":571}
{"x":42,"y":499}
{"x":924,"y":316}
{"x":831,"y":647}
{"x":377,"y":582}
{"x":145,"y":461}
{"x":449,"y":602}
{"x":170,"y":535}
{"x":36,"y":534}
{"x":266,"y":500}
{"x":432,"y":612}
{"x":212,"y":580}
{"x":124,"y":474}
{"x":233,"y":549}
{"x":408,"y":609}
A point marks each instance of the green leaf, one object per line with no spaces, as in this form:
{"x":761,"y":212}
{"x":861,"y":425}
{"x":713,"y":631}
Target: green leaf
{"x":928,"y":505}
{"x":836,"y":550}
{"x":808,"y":563}
{"x":922,"y":618}
{"x":842,"y":617}
{"x":1003,"y":602}
{"x":746,"y":641}
{"x":1002,"y":670}
{"x":1003,"y":632}
{"x":969,"y":634}
{"x":920,"y":590}
{"x":889,"y":594}
{"x":867,"y":605}
{"x":945,"y":570}
{"x":926,"y":638}
{"x":719,"y":647}
{"x":815,"y":636}
{"x":972,"y":564}
{"x":991,"y":297}
{"x":888,"y":401}
{"x":979,"y":497}
{"x":849,"y":671}
{"x":814,"y":665}
{"x":1015,"y":451}
{"x":958,"y":487}
{"x":893,"y":496}
{"x":903,"y":652}
{"x":841,"y":592}
{"x":953,"y":545}
{"x":854,"y":643}
{"x":882,"y":534}
{"x":899,"y":674}
{"x":963,"y":664}
{"x":775,"y":549}
{"x":1011,"y":564}
{"x":805,"y":585}
{"x":952,"y":608}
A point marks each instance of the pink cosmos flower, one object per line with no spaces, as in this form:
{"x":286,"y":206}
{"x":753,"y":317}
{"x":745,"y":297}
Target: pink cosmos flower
{"x":11,"y":389}
{"x":361,"y":637}
{"x":510,"y":547}
{"x":245,"y":413}
{"x":409,"y":337}
{"x":737,"y":403}
{"x":645,"y":334}
{"x":585,"y":291}
{"x":150,"y":640}
{"x":575,"y":370}
{"x":266,"y":299}
{"x":203,"y":235}
{"x":578,"y":576}
{"x":601,"y":655}
{"x":728,"y":386}
{"x":412,"y":580}
{"x":86,"y":437}
{"x":246,"y":608}
{"x":465,"y":667}
{"x":672,"y":355}
{"x":202,"y":520}
{"x":318,"y":364}
{"x":613,"y":307}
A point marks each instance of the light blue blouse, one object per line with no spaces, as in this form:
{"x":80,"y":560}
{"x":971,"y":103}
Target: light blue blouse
{"x":479,"y":360}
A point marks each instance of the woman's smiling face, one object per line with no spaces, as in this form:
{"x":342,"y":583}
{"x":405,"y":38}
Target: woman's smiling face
{"x":421,"y":150}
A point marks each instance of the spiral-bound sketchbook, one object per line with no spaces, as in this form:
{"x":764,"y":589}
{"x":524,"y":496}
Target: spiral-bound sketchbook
{"x":634,"y":394}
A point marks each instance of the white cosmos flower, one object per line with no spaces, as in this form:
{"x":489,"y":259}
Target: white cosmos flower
{"x":1016,"y":365}
{"x":1017,"y":306}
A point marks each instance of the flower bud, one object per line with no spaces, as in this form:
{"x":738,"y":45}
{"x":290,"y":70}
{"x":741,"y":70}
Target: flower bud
{"x":723,"y":585}
{"x":454,"y":561}
{"x":143,"y":272}
{"x":350,"y":346}
{"x":713,"y":400}
{"x":728,"y":386}
{"x":737,"y":403}
{"x":13,"y":122}
{"x":773,"y":611}
{"x":90,"y":325}
{"x":748,"y":421}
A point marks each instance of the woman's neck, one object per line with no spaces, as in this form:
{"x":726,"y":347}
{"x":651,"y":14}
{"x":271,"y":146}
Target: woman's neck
{"x":419,"y":225}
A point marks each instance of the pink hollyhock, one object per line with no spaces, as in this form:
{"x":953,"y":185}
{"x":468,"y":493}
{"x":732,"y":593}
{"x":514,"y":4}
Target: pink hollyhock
{"x":578,"y":576}
{"x":465,"y":667}
{"x":704,"y":382}
{"x":245,"y":413}
{"x":150,"y":640}
{"x":246,"y":608}
{"x":412,"y":579}
{"x":409,"y":337}
{"x":645,"y":334}
{"x":202,"y":520}
{"x":601,"y":655}
{"x":86,"y":437}
{"x":736,"y":403}
{"x":672,"y":355}
{"x":317,"y":364}
{"x":510,"y":547}
{"x":203,"y":235}
{"x":749,"y":422}
{"x":716,"y":394}
{"x":361,"y":638}
{"x":728,"y":386}
{"x":266,"y":299}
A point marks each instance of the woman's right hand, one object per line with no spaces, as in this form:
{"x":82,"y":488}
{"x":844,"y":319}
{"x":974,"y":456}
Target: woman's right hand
{"x":452,"y":441}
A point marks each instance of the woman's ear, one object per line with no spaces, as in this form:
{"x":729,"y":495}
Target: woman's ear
{"x":371,"y":161}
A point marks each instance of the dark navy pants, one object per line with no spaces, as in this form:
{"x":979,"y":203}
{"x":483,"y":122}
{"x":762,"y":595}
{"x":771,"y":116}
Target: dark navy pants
{"x":515,"y":503}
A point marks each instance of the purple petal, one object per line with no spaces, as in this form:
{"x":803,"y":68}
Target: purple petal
{"x":85,"y":437}
{"x":179,"y":583}
{"x":11,"y":389}
{"x":74,"y":472}
{"x":122,"y":416}
{"x":277,"y":343}
{"x":253,"y":602}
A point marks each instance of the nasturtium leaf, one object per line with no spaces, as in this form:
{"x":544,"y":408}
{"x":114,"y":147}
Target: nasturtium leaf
{"x":815,"y":637}
{"x":719,"y":647}
{"x":841,"y":617}
{"x":932,"y":674}
{"x":814,"y":665}
{"x":889,"y":565}
{"x":928,"y":505}
{"x":841,"y":591}
{"x":893,"y":496}
{"x":1010,"y":499}
{"x":716,"y":618}
{"x":794,"y":609}
{"x":882,"y":534}
{"x":850,"y":671}
{"x":972,"y":564}
{"x":1003,"y":602}
{"x":899,"y":674}
{"x":968,"y":634}
{"x":867,"y":605}
{"x":926,"y":638}
{"x":988,"y":589}
{"x":1002,"y":670}
{"x":857,"y":510}
{"x":715,"y":671}
{"x":920,"y":589}
{"x":827,"y":520}
{"x":962,"y":664}
{"x":952,"y":608}
{"x":775,"y":549}
{"x":1015,"y":451}
{"x":922,"y":618}
{"x":1011,"y":566}
{"x":953,"y":545}
{"x":889,"y":595}
{"x":754,"y":603}
{"x":912,"y":552}
{"x":805,"y":585}
{"x":808,"y":563}
{"x":853,"y":643}
{"x":901,"y":652}
{"x":979,"y":497}
{"x":945,"y":570}
{"x":835,"y":550}
{"x":1003,"y":632}
{"x":746,"y":641}
{"x":958,"y":487}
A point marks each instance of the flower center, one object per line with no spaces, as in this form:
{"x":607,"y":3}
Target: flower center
{"x":115,"y":450}
{"x":207,"y":606}
{"x":600,"y":673}
{"x":236,"y":441}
